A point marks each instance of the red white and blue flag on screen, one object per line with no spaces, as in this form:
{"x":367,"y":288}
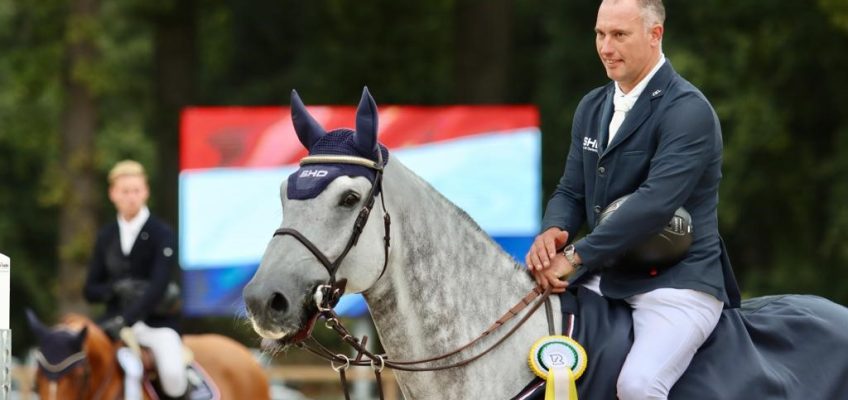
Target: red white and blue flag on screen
{"x":486,"y":159}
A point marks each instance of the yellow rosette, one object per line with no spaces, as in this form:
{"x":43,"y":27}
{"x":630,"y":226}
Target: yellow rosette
{"x":560,"y":360}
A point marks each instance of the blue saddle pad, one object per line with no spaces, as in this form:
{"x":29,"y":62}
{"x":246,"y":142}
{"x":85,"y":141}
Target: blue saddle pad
{"x":774,"y":347}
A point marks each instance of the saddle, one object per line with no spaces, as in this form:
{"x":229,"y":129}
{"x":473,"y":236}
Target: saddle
{"x":773,"y":347}
{"x":200,"y":384}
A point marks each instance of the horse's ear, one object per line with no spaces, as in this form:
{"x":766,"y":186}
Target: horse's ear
{"x":366,"y":124}
{"x":35,"y":324}
{"x":80,"y":339}
{"x":308,"y":130}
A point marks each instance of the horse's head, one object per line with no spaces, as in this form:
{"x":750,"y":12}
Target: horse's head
{"x":66,"y":359}
{"x":326,"y":203}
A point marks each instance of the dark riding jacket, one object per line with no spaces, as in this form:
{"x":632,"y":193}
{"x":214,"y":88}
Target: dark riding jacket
{"x":152,"y":260}
{"x":668,"y":154}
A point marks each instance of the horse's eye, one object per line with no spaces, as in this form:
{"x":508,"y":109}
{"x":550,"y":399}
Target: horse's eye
{"x":349,"y":199}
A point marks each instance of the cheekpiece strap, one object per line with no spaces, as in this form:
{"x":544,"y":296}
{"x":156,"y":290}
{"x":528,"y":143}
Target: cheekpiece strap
{"x":339,"y":159}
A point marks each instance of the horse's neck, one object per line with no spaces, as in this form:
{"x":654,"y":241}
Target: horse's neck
{"x":106,"y":380}
{"x":447,"y":281}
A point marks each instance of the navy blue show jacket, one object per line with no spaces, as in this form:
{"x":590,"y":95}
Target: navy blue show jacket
{"x":667,"y":154}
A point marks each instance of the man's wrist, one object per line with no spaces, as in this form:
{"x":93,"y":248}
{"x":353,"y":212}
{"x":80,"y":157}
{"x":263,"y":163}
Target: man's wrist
{"x":571,"y":255}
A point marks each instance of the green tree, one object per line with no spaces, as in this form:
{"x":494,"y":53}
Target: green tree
{"x":85,"y":83}
{"x":29,"y":102}
{"x":779,"y":99}
{"x":77,"y":167}
{"x":69,"y":107}
{"x":774,"y":74}
{"x":483,"y":50}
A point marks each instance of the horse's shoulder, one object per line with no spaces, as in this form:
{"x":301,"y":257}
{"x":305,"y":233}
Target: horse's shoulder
{"x":211,"y":345}
{"x":228,"y":363}
{"x":209,"y":339}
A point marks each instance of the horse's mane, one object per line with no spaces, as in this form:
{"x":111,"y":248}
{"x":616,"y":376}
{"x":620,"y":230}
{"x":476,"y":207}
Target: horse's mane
{"x":77,"y":322}
{"x":462,"y":215}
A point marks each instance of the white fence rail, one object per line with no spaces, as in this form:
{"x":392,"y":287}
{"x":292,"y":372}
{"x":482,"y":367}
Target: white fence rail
{"x":5,"y":332}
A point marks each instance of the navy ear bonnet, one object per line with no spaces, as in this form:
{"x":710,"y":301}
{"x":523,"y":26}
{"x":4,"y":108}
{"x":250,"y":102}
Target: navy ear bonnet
{"x":59,"y":347}
{"x":58,"y":350}
{"x":311,"y":179}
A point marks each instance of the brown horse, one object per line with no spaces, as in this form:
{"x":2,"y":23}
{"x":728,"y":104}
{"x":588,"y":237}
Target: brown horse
{"x":77,"y":361}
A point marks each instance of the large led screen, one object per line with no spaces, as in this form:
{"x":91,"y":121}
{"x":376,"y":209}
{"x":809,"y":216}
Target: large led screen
{"x":486,"y":159}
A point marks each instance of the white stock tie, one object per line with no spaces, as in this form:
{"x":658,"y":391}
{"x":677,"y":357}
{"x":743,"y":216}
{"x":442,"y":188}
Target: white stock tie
{"x":622,"y":105}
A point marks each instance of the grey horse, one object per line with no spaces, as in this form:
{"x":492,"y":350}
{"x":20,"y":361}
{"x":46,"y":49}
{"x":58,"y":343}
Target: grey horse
{"x":443,"y":281}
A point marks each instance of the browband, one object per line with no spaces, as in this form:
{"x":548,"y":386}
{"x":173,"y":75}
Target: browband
{"x":339,"y":159}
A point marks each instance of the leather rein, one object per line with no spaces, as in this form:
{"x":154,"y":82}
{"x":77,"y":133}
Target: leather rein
{"x":340,"y":362}
{"x":328,"y":294}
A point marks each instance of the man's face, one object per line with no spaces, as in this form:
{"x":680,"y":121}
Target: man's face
{"x":129,"y":194}
{"x":628,"y":49}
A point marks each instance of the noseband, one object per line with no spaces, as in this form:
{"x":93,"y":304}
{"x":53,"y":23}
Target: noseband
{"x":331,"y":291}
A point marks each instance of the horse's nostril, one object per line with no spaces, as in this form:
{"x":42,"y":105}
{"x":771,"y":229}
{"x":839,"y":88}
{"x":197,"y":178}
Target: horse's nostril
{"x":279,"y":302}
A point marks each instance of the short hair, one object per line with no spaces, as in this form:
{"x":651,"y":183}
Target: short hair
{"x":653,"y":11}
{"x":126,"y":168}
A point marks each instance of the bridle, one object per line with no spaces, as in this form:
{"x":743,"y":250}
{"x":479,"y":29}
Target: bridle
{"x":364,"y":357}
{"x":330,"y":292}
{"x":56,"y":371}
{"x":327,"y":295}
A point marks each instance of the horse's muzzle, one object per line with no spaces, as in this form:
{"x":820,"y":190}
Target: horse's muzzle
{"x":278,"y":317}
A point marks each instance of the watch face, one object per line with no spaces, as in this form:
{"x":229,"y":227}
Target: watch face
{"x":571,"y":255}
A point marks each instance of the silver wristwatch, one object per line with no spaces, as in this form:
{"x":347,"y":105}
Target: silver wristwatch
{"x":570,"y":255}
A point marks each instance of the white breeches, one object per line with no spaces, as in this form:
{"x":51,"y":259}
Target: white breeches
{"x":167,"y":348}
{"x":669,"y":325}
{"x":133,"y":372}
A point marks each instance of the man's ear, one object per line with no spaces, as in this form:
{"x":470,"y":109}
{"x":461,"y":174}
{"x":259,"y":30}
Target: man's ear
{"x":110,"y":191}
{"x":656,"y":33}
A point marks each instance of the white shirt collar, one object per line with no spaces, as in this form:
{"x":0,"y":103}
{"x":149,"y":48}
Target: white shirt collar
{"x":640,"y":87}
{"x":129,"y":230}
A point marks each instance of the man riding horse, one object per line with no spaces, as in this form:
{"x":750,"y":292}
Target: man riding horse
{"x":651,"y":135}
{"x":131,"y":271}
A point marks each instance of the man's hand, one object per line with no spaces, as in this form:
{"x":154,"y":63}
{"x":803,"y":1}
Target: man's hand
{"x":125,"y":288}
{"x":550,"y":277}
{"x":544,"y":248}
{"x":112,"y":327}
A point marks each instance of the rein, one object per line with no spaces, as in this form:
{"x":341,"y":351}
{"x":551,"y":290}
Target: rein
{"x":378,"y":362}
